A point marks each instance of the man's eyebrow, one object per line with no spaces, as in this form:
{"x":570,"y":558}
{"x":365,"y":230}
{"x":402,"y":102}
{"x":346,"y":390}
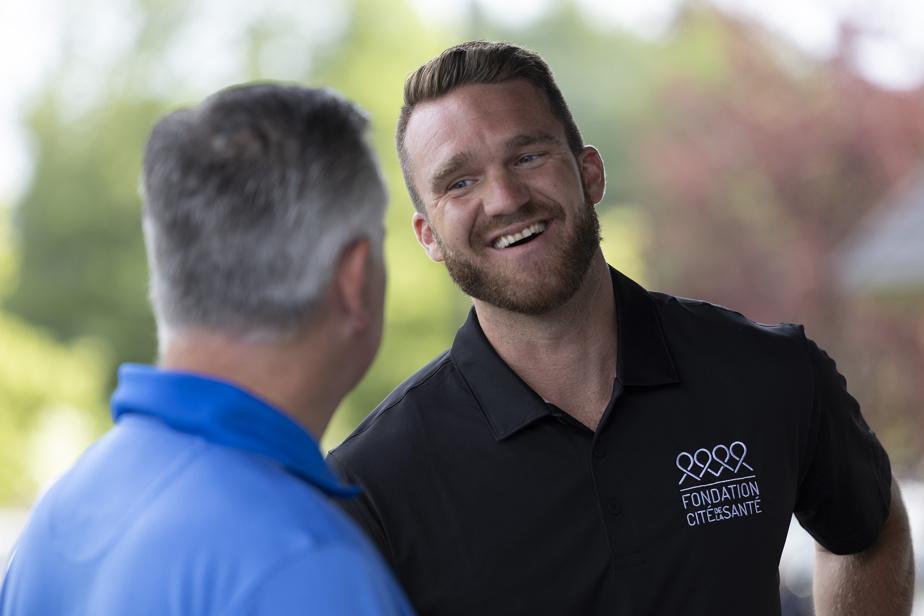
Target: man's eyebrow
{"x":531,"y":138}
{"x":448,"y":169}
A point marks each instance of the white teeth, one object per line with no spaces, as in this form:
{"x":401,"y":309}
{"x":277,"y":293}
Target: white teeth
{"x":534,"y":229}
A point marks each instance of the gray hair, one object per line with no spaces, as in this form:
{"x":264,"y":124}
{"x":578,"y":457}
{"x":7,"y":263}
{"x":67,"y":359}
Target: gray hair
{"x":250,"y":199}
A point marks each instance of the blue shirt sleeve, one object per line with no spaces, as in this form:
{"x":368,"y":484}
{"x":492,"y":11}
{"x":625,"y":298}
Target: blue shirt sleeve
{"x":332,"y":579}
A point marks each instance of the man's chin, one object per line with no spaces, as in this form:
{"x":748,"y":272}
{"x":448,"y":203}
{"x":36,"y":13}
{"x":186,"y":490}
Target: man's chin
{"x":533,"y":296}
{"x":537,"y":288}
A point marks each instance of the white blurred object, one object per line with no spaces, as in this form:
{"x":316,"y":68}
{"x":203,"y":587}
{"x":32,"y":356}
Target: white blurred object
{"x":913,"y":493}
{"x":798,"y":558}
{"x":12,"y":521}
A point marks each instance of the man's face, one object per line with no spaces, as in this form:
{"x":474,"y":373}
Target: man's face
{"x":508,"y":207}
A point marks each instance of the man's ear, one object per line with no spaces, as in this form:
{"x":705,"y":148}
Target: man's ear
{"x":426,"y":236}
{"x":350,"y":282}
{"x":593,"y":174}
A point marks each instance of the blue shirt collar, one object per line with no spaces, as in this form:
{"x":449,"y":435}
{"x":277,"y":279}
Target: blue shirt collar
{"x":225,"y":414}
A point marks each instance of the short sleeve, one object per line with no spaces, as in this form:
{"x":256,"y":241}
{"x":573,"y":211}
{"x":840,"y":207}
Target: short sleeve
{"x":335,"y":579}
{"x":360,"y":508}
{"x":844,"y":494}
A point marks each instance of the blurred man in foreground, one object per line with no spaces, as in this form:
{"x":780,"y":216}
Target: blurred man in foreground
{"x":587,"y":446}
{"x":264,"y":221}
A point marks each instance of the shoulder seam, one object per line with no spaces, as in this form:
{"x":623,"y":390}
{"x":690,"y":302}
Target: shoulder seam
{"x":447,"y":360}
{"x":730,"y":312}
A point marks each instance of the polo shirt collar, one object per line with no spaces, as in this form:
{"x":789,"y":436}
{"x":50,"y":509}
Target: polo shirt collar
{"x":643,"y":357}
{"x":509,"y":404}
{"x":224,"y":414}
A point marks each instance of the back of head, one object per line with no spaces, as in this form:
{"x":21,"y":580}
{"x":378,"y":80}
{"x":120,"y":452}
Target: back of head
{"x":480,"y":62}
{"x":250,"y":198}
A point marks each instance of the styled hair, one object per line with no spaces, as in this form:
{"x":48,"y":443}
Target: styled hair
{"x":250,"y":198}
{"x":486,"y":63}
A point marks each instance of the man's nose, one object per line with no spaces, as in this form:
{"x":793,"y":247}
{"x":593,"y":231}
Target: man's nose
{"x":506,"y":193}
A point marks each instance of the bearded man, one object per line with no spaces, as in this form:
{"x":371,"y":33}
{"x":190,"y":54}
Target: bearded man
{"x":587,"y":446}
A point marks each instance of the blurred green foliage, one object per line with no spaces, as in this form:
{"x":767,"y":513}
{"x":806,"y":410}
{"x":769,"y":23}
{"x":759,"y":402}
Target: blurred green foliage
{"x":38,"y":375}
{"x":82,"y":269}
{"x":9,"y":256}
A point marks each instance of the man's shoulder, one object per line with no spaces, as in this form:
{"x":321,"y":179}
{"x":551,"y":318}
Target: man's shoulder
{"x":171,"y":521}
{"x":706,"y":336}
{"x":149,"y":482}
{"x":676,"y":312}
{"x":280,"y":509}
{"x":391,"y":424}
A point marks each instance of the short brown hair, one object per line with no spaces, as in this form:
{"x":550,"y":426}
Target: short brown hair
{"x":479,"y":62}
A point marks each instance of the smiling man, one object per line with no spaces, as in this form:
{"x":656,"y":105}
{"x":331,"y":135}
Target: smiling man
{"x":587,"y":446}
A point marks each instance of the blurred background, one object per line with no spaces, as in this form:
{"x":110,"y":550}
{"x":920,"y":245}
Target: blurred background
{"x":767,"y":156}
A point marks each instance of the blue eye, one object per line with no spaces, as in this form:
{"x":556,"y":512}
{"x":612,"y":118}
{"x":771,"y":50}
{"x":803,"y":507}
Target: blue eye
{"x":459,"y":184}
{"x":528,"y":158}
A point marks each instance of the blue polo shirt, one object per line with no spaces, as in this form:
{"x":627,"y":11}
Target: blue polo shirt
{"x":202,"y":499}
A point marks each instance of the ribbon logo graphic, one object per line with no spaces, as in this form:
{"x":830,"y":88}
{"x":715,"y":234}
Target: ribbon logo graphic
{"x":714,"y":461}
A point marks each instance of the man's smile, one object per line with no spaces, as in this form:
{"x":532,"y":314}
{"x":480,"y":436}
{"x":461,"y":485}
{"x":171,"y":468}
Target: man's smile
{"x":521,"y":236}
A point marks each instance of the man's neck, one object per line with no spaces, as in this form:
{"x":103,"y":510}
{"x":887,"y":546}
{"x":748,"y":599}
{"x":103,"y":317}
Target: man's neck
{"x":567,"y":356}
{"x":281,"y":373}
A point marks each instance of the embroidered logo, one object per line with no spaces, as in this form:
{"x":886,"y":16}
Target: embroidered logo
{"x":717,"y":484}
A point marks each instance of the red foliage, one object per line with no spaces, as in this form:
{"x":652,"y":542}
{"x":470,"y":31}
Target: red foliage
{"x":756,"y":179}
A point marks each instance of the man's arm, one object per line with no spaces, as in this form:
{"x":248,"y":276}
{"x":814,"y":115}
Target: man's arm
{"x":877,"y":581}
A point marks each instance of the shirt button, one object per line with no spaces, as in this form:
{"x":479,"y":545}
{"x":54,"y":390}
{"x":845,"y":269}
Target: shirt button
{"x":614,"y":506}
{"x":599,"y":452}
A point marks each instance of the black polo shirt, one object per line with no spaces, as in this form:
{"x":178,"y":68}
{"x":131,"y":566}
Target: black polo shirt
{"x":487,"y":500}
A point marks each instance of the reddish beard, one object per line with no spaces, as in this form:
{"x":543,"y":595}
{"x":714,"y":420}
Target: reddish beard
{"x":562,"y":275}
